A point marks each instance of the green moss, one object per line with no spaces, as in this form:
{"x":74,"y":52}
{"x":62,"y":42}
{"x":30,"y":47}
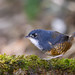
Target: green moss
{"x":33,"y":64}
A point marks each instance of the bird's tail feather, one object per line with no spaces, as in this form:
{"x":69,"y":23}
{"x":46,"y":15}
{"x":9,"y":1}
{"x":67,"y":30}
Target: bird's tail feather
{"x":73,"y":35}
{"x":71,"y":38}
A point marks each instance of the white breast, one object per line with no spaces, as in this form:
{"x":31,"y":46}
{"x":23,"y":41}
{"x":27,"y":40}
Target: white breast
{"x":35,"y":42}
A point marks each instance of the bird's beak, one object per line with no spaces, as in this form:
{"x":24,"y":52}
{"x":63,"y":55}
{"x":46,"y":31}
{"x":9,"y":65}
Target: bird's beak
{"x":26,"y":36}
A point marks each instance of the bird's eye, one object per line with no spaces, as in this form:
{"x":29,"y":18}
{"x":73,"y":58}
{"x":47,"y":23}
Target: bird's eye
{"x":34,"y":35}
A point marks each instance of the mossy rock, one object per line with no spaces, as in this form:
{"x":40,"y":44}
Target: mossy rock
{"x":32,"y":65}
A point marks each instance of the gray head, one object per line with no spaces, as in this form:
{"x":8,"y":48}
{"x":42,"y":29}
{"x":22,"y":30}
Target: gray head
{"x":33,"y":34}
{"x":39,"y":37}
{"x":38,"y":34}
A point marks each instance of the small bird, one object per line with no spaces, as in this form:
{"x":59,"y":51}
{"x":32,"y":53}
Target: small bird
{"x":51,"y":42}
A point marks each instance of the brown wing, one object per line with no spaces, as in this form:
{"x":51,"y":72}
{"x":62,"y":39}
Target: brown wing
{"x":59,"y":48}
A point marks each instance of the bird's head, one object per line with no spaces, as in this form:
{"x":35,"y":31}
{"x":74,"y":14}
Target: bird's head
{"x":38,"y":37}
{"x":37,"y":34}
{"x":33,"y":34}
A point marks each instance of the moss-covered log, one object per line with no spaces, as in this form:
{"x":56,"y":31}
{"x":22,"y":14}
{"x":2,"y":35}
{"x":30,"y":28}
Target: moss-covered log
{"x":33,"y":65}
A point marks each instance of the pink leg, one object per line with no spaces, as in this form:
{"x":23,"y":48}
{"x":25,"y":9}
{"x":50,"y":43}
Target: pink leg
{"x":49,"y":57}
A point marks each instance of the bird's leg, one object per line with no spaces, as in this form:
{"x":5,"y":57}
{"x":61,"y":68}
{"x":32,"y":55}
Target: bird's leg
{"x":58,"y":56}
{"x":50,"y":57}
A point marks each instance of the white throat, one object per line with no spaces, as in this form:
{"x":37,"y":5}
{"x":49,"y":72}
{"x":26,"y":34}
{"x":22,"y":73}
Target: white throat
{"x":35,"y":42}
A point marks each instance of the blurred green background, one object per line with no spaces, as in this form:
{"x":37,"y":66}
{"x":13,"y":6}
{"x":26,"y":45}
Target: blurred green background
{"x":19,"y":17}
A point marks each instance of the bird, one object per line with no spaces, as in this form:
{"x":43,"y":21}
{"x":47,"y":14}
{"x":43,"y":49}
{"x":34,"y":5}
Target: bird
{"x":51,"y":42}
